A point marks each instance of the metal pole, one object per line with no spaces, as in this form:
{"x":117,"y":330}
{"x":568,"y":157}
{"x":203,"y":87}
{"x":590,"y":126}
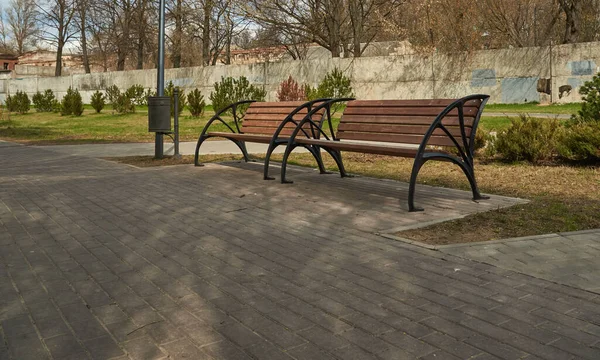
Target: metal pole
{"x":176,"y":121}
{"x":160,"y":76}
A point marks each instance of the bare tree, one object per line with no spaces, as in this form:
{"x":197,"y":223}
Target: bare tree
{"x":572,"y":10}
{"x":57,"y":26}
{"x":21,"y":16}
{"x":82,"y":24}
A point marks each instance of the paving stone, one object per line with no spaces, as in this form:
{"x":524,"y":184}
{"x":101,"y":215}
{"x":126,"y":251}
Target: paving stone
{"x":143,"y":349}
{"x":65,"y":345}
{"x":103,"y":348}
{"x":184,"y":349}
{"x":225,"y":350}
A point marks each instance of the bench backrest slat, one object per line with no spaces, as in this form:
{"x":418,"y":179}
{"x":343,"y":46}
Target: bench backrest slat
{"x":263,"y":118}
{"x":404,"y":121}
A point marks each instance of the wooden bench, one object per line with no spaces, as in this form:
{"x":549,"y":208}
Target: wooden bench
{"x":266,"y":123}
{"x":420,"y":129}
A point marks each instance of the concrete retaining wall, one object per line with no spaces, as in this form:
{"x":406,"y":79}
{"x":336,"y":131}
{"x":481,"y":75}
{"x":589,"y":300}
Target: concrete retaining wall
{"x":508,"y":75}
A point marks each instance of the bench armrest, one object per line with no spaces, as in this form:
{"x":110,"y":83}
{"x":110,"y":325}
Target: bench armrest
{"x":236,"y":118}
{"x":464,"y":145}
{"x":290,"y":117}
{"x":318,"y":127}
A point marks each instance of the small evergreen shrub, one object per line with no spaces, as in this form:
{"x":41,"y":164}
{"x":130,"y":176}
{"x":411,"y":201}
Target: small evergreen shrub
{"x":136,"y":94}
{"x":45,"y":102}
{"x":581,"y":142}
{"x":170,"y":91}
{"x":529,"y":139}
{"x":123,"y":104}
{"x":98,"y":101}
{"x":149,"y":92}
{"x":71,"y":103}
{"x":290,"y":90}
{"x":334,"y":85}
{"x":590,"y":108}
{"x":230,"y":90}
{"x":112,"y":93}
{"x":19,"y":102}
{"x":196,"y":103}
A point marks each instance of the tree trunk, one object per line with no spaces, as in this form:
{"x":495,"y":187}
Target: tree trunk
{"x":141,"y":31}
{"x":206,"y":32}
{"x":140,"y":54}
{"x":59,"y":50}
{"x":177,"y":34}
{"x":572,"y":10}
{"x":84,"y":52}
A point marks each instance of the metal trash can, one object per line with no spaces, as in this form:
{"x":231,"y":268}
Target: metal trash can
{"x":159,"y":114}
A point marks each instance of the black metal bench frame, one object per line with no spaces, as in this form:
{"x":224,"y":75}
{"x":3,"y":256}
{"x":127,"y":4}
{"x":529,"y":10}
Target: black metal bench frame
{"x":464,"y":145}
{"x":274,"y":141}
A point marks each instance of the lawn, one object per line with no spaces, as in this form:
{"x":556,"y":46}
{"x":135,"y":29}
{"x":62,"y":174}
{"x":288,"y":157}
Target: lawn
{"x":569,"y":108}
{"x":558,"y":203}
{"x":108,"y":127}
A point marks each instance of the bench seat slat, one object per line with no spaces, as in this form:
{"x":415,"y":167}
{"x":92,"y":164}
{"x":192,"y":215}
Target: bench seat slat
{"x":257,"y":138}
{"x":346,"y":128}
{"x":396,"y":138}
{"x":378,"y":149}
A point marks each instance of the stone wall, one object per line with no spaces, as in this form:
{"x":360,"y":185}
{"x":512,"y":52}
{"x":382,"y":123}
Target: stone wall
{"x":508,"y":75}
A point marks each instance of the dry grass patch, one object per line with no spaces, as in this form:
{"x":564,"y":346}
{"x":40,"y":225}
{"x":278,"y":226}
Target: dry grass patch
{"x":563,"y":198}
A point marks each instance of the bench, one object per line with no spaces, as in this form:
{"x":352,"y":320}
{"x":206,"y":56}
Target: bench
{"x":420,"y":129}
{"x":263,"y":122}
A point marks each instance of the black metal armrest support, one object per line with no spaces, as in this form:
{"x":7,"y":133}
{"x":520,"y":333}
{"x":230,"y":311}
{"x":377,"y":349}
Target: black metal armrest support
{"x":464,"y":145}
{"x":217,"y":117}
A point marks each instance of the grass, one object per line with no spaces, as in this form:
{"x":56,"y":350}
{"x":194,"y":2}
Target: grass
{"x":562,"y":198}
{"x":109,"y":127}
{"x":569,"y":108}
{"x":106,"y":127}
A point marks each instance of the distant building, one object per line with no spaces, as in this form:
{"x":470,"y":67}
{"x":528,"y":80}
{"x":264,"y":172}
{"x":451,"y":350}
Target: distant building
{"x":48,"y":58}
{"x":8,"y":62}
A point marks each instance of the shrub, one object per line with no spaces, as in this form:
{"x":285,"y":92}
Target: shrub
{"x":290,"y":90}
{"x":581,"y":142}
{"x":196,"y":103}
{"x":45,"y":102}
{"x":112,"y":93}
{"x":98,"y":101}
{"x":136,"y":94}
{"x":19,"y":102}
{"x":590,"y":108}
{"x":334,"y":85}
{"x":71,"y":103}
{"x":170,"y":91}
{"x":231,"y":90}
{"x":149,"y":92}
{"x":529,"y":139}
{"x":123,"y":104}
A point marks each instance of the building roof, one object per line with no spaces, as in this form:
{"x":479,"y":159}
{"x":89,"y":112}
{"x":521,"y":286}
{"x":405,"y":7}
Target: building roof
{"x":9,"y":57}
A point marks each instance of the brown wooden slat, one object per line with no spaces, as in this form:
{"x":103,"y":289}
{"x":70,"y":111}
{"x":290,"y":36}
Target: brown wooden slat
{"x":407,"y":120}
{"x":396,"y":138}
{"x":398,"y":129}
{"x":245,"y":137}
{"x":418,"y":102}
{"x":379,"y":149}
{"x":417,"y":111}
{"x":274,"y":104}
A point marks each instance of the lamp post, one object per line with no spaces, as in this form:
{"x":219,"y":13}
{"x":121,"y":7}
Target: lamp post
{"x":160,"y":76}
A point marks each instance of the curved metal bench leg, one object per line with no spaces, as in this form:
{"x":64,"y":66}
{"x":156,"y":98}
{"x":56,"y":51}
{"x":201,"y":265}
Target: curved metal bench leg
{"x":266,"y":176}
{"x":242,"y":146}
{"x":286,"y":155}
{"x":413,"y":182}
{"x":470,"y":173}
{"x":316,"y":153}
{"x":337,"y":157}
{"x":196,"y":154}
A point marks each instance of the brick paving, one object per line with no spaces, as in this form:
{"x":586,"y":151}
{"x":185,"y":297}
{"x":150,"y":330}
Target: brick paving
{"x":567,"y":258}
{"x":105,"y":261}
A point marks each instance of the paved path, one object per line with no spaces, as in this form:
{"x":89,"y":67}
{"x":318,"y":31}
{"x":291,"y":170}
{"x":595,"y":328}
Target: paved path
{"x":568,"y":258}
{"x":102,"y":260}
{"x":141,"y":149}
{"x":535,"y":115}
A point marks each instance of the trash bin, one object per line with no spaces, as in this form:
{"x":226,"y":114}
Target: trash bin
{"x":159,"y":114}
